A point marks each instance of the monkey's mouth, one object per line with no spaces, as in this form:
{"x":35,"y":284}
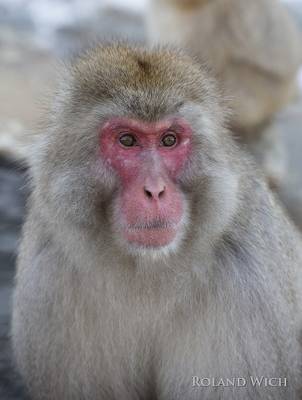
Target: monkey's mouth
{"x":156,"y":233}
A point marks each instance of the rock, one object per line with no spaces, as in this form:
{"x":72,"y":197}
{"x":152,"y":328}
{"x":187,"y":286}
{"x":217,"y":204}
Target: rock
{"x":12,"y":204}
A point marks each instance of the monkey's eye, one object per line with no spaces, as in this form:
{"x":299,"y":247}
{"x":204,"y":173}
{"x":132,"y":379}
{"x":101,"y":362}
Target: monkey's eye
{"x":127,"y":140}
{"x":169,"y":140}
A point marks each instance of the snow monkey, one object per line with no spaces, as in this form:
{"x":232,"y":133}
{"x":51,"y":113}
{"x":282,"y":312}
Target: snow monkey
{"x":153,"y":255}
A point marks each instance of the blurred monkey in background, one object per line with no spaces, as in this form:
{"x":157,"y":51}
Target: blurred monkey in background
{"x":254,"y":48}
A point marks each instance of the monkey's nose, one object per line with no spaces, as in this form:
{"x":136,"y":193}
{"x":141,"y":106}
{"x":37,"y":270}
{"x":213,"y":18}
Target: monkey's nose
{"x":154,"y":190}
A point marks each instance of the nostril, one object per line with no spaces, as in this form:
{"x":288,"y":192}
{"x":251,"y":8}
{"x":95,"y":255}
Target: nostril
{"x":161,"y":193}
{"x":155,"y":194}
{"x":148,"y":193}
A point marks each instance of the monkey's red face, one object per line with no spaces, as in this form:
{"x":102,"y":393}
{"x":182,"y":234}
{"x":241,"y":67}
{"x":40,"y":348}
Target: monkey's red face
{"x":148,"y":158}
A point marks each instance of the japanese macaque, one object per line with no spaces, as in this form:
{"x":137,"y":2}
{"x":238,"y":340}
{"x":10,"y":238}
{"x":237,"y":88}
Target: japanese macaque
{"x":153,"y":254}
{"x":254,"y":48}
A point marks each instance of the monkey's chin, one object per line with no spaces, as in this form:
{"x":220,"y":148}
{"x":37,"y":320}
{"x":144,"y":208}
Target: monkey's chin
{"x":154,"y":238}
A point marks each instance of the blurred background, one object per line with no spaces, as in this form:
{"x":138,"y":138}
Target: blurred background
{"x":34,"y":34}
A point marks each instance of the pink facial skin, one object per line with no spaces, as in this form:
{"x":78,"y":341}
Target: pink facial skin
{"x":150,"y":204}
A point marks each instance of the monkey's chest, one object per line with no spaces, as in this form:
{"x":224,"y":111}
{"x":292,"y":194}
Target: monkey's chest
{"x":119,"y":349}
{"x":151,"y":349}
{"x":143,"y":346}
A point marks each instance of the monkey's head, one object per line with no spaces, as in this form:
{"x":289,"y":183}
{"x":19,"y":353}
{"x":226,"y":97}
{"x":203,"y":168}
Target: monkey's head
{"x":185,"y":5}
{"x":136,"y":150}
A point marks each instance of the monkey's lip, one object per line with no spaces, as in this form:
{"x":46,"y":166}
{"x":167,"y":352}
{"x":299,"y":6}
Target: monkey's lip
{"x":154,"y":234}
